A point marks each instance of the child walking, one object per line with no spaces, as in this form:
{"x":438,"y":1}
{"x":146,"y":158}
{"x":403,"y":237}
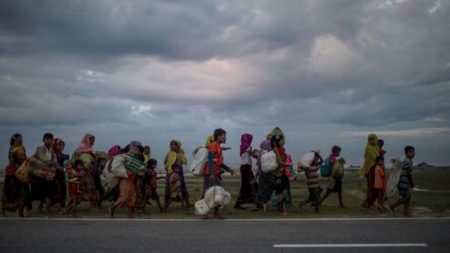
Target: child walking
{"x":75,"y":175}
{"x":337,"y":174}
{"x":312,"y":181}
{"x":405,"y":183}
{"x":152,"y":179}
{"x":175,"y":186}
{"x":380,"y":183}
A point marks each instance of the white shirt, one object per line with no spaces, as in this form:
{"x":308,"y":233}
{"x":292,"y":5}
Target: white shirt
{"x":246,"y":158}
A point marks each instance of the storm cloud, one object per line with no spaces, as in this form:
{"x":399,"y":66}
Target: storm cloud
{"x":325,"y":72}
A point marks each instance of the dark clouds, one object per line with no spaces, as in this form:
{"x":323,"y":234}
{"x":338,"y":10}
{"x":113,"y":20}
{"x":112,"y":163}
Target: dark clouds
{"x":154,"y":70}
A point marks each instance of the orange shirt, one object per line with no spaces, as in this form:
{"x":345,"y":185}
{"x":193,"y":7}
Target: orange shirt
{"x":218,"y":158}
{"x":380,"y":178}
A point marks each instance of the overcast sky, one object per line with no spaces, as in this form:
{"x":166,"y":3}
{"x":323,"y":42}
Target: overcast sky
{"x":326,"y":72}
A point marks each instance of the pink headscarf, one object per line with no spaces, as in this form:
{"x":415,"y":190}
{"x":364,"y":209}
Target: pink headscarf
{"x":85,"y":145}
{"x":246,"y":142}
{"x":113,"y":151}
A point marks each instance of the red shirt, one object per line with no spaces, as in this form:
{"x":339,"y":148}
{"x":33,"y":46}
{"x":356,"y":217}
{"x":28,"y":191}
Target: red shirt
{"x":218,"y":158}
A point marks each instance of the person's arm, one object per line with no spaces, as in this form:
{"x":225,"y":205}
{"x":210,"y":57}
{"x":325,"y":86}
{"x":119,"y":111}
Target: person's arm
{"x":166,"y":158}
{"x":228,"y":169}
{"x":41,"y":155}
{"x":255,"y":153}
{"x":410,"y":178}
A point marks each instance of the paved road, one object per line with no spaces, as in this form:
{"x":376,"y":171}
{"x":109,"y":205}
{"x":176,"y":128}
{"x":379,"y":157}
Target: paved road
{"x":346,"y":235}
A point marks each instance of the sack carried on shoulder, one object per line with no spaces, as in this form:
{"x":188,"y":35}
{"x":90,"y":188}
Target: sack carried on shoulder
{"x":269,"y":162}
{"x":199,"y":162}
{"x":22,"y":173}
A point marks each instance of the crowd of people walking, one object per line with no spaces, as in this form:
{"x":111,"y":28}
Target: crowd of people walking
{"x":57,"y":182}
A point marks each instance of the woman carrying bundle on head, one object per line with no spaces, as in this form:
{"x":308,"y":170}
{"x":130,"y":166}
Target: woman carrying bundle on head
{"x":281,"y":197}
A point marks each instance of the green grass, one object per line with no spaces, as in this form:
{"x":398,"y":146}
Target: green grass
{"x":434,"y":203}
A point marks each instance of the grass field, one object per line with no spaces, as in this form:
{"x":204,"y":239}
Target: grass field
{"x":432,"y":201}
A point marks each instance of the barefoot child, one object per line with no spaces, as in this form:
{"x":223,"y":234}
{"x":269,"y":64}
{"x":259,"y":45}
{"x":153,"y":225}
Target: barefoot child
{"x":152,"y":176}
{"x":380,"y":183}
{"x":312,"y":181}
{"x":335,"y":179}
{"x":405,"y":183}
{"x":75,"y":175}
{"x":175,"y":186}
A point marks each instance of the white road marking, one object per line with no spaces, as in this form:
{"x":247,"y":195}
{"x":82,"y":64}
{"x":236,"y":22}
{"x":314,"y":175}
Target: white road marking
{"x":353,"y":245}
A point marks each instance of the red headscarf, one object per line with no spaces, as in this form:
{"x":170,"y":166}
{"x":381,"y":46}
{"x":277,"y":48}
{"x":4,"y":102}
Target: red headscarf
{"x":113,"y":151}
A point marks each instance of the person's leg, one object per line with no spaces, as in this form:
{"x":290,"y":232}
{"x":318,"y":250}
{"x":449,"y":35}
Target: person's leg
{"x":341,"y":200}
{"x":48,"y":206}
{"x":406,"y":210}
{"x":325,"y":196}
{"x":154,"y":195}
{"x":316,"y":206}
{"x":285,"y":209}
{"x":159,"y":205}
{"x":75,"y":205}
{"x":218,"y":213}
{"x":304,"y":202}
{"x":69,"y":206}
{"x":119,"y":202}
{"x":130,"y":212}
{"x":167,"y":204}
{"x":399,"y":202}
{"x":183,"y":204}
{"x":338,"y":189}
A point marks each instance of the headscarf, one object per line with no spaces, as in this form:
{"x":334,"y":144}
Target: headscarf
{"x":85,"y":145}
{"x":209,"y":140}
{"x":172,"y":156}
{"x":246,"y":142}
{"x":264,"y":147}
{"x":275,"y":132}
{"x":137,"y":144}
{"x":13,"y":149}
{"x":113,"y":151}
{"x":371,"y":153}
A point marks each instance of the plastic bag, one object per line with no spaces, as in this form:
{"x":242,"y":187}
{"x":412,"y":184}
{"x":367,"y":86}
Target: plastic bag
{"x":200,"y":158}
{"x":394,"y":177}
{"x":215,"y":196}
{"x":268,"y":162}
{"x":118,"y":168}
{"x":307,"y":159}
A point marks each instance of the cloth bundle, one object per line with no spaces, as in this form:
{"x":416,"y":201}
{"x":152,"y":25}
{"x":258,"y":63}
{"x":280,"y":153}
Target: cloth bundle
{"x":215,"y":196}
